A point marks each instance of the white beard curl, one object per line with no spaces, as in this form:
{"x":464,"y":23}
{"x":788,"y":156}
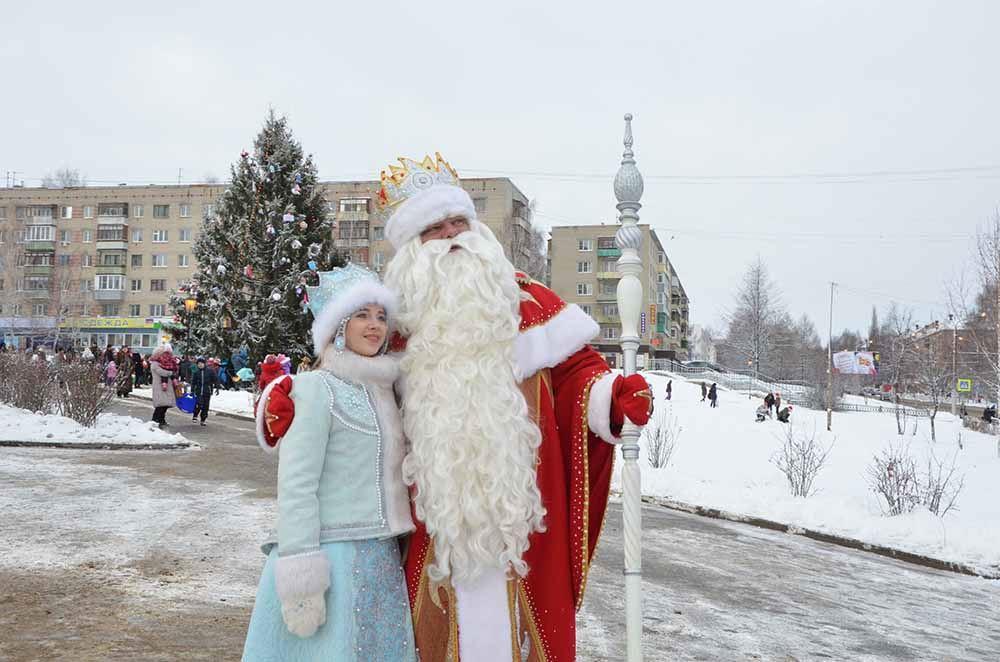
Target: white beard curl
{"x":473,"y":442}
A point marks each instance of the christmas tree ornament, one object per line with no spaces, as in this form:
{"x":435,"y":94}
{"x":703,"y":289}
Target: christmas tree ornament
{"x":303,"y":225}
{"x":298,"y":178}
{"x":314,"y":250}
{"x":248,"y":271}
{"x":296,"y":244}
{"x":296,"y":190}
{"x":221,"y":269}
{"x":271,"y":231}
{"x":275,"y":295}
{"x":312,"y":265}
{"x":298,"y":290}
{"x":285,"y":260}
{"x":244,"y":154}
{"x":288,"y":217}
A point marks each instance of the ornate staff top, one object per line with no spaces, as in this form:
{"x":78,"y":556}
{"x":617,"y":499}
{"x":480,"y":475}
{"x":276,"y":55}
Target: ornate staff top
{"x":628,"y":181}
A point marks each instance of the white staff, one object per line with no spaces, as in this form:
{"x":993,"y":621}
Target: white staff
{"x":628,"y":190}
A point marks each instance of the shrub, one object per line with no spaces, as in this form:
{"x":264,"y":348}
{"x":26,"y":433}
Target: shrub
{"x":801,"y":458}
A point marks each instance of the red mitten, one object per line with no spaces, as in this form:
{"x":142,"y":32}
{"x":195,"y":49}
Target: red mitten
{"x":274,"y":411}
{"x":630,"y":396}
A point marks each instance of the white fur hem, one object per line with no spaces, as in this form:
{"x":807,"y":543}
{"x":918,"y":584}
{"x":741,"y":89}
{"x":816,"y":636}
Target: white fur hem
{"x":300,"y":575}
{"x":483,"y":618}
{"x":599,"y":408}
{"x":426,"y":208}
{"x":259,"y":417}
{"x":344,"y":305}
{"x":547,"y":345}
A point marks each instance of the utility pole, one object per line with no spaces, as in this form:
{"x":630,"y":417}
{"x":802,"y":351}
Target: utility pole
{"x":954,"y":372}
{"x":829,"y":365}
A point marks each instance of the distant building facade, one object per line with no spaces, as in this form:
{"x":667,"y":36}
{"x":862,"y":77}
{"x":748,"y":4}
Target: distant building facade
{"x":583,"y":270}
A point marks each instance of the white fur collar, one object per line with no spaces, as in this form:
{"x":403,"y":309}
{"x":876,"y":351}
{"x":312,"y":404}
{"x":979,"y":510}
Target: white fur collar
{"x":368,"y":370}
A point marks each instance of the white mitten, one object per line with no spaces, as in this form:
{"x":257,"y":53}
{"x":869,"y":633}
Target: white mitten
{"x":301,"y":581}
{"x":304,"y":615}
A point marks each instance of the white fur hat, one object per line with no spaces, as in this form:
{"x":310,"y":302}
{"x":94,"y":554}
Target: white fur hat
{"x":339,"y":294}
{"x":425,"y":208}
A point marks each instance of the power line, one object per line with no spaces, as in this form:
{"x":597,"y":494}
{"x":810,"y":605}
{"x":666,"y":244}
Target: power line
{"x":890,"y":297}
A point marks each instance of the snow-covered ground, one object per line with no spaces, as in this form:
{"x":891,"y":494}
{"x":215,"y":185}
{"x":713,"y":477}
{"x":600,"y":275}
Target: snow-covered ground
{"x":722,"y":460}
{"x":230,"y":402}
{"x":24,"y":426}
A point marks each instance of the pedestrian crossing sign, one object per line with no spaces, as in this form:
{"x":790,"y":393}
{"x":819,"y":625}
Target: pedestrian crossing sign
{"x":964,"y":385}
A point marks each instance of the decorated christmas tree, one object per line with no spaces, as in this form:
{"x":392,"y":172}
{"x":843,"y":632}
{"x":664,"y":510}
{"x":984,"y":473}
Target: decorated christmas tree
{"x":268,"y":238}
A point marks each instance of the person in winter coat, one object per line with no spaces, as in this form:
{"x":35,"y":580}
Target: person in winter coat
{"x":670,"y":388}
{"x":332,"y":587}
{"x":125,"y":367}
{"x":785,"y":414}
{"x":704,"y":391}
{"x":204,"y":382}
{"x":777,"y":402}
{"x":110,"y":373}
{"x":713,"y":396}
{"x":163,"y":371}
{"x":137,"y":369}
{"x":246,"y":378}
{"x":769,"y":401}
{"x":763,"y":412}
{"x":109,"y":354}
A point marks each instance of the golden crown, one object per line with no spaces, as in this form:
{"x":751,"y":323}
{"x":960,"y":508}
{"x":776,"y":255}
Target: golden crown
{"x":401,"y":182}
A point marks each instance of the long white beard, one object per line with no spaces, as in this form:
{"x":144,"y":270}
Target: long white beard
{"x":473,"y":443}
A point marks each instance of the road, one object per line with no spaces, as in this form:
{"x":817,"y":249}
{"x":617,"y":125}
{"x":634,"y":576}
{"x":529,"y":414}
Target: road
{"x":713,"y":590}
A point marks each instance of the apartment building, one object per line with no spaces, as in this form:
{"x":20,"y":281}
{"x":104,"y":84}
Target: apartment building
{"x":583,"y":270}
{"x":98,"y":264}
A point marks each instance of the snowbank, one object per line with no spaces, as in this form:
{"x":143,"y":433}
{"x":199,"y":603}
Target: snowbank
{"x":21,"y":425}
{"x":722,"y":460}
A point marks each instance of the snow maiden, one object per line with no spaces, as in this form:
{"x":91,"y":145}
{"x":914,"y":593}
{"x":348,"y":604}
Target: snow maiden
{"x":332,"y":587}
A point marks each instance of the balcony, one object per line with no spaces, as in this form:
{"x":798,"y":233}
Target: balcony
{"x":38,"y":220}
{"x":112,"y":245}
{"x":36,"y":295}
{"x":352,"y":216}
{"x":113,"y":269}
{"x":609,"y":297}
{"x":608,"y":275}
{"x":40,"y":246}
{"x":37,"y":269}
{"x":609,"y":252}
{"x":109,"y":295}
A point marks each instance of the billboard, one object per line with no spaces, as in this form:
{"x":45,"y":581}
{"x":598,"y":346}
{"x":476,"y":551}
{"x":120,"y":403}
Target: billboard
{"x":854,"y":363}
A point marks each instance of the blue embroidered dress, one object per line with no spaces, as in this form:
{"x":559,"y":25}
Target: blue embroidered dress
{"x":341,"y":507}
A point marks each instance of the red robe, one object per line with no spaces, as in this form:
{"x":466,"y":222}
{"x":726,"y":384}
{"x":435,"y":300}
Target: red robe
{"x":574,"y":475}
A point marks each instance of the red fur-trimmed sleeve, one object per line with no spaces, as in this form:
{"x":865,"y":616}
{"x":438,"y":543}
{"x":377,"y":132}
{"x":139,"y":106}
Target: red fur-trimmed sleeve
{"x":590,"y":458}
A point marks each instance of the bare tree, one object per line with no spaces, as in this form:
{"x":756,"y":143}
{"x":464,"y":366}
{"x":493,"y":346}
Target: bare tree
{"x":64,"y":178}
{"x":892,"y":476}
{"x":660,"y":439}
{"x":931,"y":376}
{"x":896,"y":345}
{"x":752,"y":320}
{"x":801,"y":458}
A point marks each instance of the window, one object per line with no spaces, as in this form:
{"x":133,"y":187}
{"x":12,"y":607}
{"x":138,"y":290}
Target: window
{"x":159,"y":236}
{"x":39,"y":233}
{"x":609,"y":265}
{"x":661,"y":258}
{"x":609,"y":333}
{"x":587,"y":308}
{"x":111,"y":233}
{"x":67,"y":212}
{"x":17,"y":309}
{"x":110,"y":310}
{"x":39,"y":309}
{"x":157,"y":309}
{"x":112,"y":259}
{"x":185,"y":210}
{"x":36,"y":283}
{"x":208,"y":211}
{"x":606,"y":242}
{"x":88,"y":212}
{"x":185,"y":234}
{"x":159,"y":260}
{"x":136,"y":261}
{"x":610,"y":309}
{"x":158,"y":285}
{"x":479,"y":204}
{"x":64,"y":237}
{"x":3,"y":236}
{"x":88,"y":236}
{"x":583,"y":267}
{"x":137,"y":236}
{"x":87,"y":260}
{"x":379,"y":260}
{"x":136,"y":284}
{"x":113,"y":210}
{"x":1,"y":284}
{"x":3,"y":213}
{"x":110,"y":282}
{"x":609,"y":287}
{"x":584,"y":289}
{"x":161,"y":211}
{"x":182,"y":260}
{"x":354,"y":204}
{"x":134,"y":310}
{"x":64,"y":260}
{"x":138,"y":211}
{"x":378,"y":234}
{"x":585,"y":245}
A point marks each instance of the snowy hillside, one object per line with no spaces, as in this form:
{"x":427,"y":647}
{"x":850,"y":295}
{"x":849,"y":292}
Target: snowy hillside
{"x":722,"y":460}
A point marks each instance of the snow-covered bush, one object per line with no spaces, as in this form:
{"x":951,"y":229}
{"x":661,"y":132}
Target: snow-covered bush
{"x":801,"y":458}
{"x":660,"y":437}
{"x":893,"y":477}
{"x":82,"y":394}
{"x":26,"y":382}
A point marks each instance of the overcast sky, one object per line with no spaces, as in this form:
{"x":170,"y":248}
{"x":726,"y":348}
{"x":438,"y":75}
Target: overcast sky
{"x":738,"y":107}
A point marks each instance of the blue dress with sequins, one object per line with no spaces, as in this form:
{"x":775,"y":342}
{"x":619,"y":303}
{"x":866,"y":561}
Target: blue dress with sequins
{"x":367,"y":610}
